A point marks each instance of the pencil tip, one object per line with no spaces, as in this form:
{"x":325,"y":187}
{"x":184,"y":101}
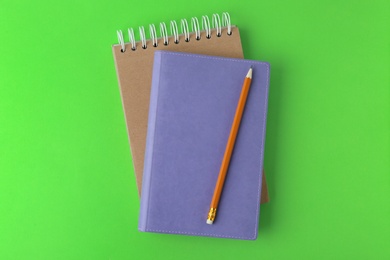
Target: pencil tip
{"x":209,"y":222}
{"x":249,"y":75}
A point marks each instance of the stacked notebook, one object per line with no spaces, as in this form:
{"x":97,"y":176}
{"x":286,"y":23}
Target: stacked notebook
{"x":179,"y":95}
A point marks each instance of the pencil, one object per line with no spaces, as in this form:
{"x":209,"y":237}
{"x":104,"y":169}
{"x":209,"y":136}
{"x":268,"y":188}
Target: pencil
{"x":229,"y":148}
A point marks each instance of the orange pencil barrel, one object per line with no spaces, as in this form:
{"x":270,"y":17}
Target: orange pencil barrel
{"x":229,"y":147}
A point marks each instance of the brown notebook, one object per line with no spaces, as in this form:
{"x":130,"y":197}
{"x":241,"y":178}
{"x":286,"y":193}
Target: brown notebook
{"x":134,"y":63}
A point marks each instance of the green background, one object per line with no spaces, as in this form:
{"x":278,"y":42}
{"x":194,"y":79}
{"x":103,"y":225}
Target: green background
{"x":67,"y":189}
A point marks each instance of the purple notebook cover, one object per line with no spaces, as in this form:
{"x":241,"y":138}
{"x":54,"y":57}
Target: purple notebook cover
{"x":192,"y":106}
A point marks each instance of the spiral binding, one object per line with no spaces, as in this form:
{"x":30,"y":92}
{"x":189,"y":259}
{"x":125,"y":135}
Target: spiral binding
{"x":217,"y":23}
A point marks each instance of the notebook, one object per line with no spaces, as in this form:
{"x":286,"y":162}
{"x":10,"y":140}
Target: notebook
{"x":192,"y":106}
{"x":134,"y":61}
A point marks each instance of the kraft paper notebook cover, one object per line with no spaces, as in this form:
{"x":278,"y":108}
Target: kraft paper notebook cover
{"x":134,"y":62}
{"x":192,"y":106}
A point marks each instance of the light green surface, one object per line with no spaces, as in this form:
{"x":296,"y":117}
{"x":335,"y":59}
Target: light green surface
{"x":67,"y":189}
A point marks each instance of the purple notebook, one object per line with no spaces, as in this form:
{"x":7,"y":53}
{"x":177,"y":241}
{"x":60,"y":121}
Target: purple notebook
{"x":192,"y":106}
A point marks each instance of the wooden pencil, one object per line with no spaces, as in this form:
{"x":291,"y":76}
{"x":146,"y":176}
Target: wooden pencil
{"x":229,"y":147}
